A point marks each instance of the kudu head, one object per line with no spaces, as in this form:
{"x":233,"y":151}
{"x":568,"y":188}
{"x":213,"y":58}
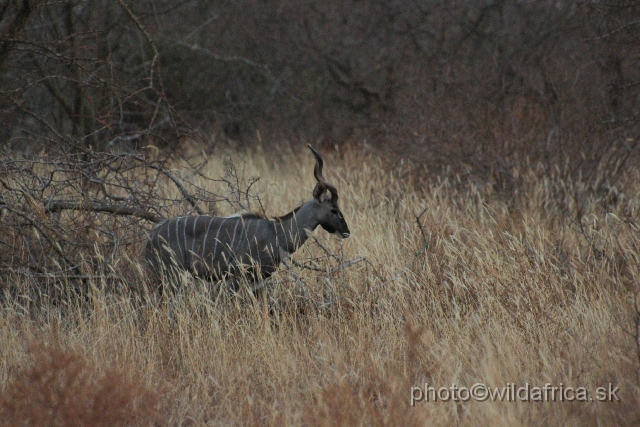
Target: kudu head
{"x":328,"y":212}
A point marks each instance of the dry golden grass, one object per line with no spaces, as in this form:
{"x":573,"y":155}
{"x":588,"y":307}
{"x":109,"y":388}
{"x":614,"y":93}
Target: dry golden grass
{"x":510,"y":290}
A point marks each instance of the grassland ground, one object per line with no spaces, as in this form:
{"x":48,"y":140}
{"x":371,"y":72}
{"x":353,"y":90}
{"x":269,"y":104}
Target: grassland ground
{"x":533,"y":286}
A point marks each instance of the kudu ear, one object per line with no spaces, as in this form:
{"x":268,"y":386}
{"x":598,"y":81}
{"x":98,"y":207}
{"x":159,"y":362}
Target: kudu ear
{"x":320,"y":192}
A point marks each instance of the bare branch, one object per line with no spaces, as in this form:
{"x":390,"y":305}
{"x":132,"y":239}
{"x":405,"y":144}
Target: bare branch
{"x":57,"y":206}
{"x":188,"y":196}
{"x":147,"y":36}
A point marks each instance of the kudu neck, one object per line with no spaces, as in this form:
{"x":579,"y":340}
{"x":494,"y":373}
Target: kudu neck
{"x":291,"y":232}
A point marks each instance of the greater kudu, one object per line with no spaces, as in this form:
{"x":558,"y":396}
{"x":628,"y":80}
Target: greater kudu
{"x":243,"y":244}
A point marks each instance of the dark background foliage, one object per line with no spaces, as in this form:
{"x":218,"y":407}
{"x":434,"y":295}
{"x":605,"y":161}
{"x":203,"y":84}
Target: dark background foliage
{"x":476,"y":86}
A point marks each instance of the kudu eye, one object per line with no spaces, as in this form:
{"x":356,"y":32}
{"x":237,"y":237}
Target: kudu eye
{"x":334,"y":211}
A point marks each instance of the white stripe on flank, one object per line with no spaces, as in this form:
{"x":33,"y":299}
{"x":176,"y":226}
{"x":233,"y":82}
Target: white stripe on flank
{"x":185,"y":254}
{"x":234,"y":236}
{"x":193,"y":236}
{"x":204,"y":243}
{"x":254,"y":237}
{"x":249,"y":236}
{"x":177,"y":241}
{"x":243,"y":236}
{"x":245,"y":228}
{"x":216,"y":245}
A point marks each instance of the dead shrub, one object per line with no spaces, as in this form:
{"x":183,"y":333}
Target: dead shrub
{"x":61,"y":388}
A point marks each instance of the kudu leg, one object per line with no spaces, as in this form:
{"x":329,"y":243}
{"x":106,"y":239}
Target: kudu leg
{"x":284,"y":256}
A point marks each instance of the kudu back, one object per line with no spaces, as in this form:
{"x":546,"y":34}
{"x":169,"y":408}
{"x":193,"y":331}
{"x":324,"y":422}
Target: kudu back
{"x":246,"y":245}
